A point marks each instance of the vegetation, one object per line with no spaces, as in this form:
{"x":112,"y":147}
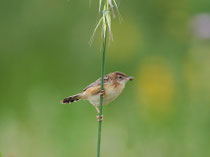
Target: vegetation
{"x":45,"y":56}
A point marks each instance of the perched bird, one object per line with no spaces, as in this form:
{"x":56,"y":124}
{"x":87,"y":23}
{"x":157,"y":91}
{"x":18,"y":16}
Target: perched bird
{"x":114,"y":83}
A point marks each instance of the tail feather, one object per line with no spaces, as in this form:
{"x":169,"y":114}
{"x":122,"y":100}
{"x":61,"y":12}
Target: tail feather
{"x":71,"y":99}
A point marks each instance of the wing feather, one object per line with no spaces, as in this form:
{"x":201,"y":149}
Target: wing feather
{"x":97,"y":83}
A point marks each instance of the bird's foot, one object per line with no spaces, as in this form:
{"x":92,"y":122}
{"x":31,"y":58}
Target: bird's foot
{"x":102,"y":93}
{"x":100,"y":118}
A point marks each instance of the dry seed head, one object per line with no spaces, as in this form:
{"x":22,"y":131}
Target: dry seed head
{"x":106,"y":18}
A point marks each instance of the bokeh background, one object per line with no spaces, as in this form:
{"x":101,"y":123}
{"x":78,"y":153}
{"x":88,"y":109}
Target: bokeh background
{"x":45,"y":57}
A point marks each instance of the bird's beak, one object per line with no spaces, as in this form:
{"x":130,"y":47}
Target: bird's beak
{"x":130,"y":78}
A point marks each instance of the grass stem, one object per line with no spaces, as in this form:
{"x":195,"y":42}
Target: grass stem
{"x":102,"y":87}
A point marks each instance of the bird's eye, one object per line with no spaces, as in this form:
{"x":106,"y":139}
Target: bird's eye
{"x":120,"y":77}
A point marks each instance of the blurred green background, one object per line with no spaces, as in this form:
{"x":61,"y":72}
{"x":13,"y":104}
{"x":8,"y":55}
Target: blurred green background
{"x":45,"y":57}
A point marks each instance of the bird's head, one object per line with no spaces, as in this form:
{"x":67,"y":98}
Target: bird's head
{"x":121,"y":77}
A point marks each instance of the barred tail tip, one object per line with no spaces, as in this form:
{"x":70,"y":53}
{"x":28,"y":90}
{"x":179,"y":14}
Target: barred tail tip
{"x":70,"y":99}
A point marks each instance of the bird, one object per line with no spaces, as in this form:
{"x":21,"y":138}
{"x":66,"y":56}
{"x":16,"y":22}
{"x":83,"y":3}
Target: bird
{"x":114,"y":83}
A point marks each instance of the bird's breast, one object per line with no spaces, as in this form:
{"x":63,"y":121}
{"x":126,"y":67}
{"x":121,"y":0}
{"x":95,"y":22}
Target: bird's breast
{"x":112,"y":92}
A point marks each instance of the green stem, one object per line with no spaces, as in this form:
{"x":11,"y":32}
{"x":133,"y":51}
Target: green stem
{"x":101,"y":96}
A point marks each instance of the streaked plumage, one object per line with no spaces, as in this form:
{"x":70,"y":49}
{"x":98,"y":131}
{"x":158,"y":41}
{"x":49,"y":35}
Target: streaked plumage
{"x":114,"y":84}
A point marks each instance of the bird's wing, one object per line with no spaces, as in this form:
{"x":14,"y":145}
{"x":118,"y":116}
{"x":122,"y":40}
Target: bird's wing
{"x":97,"y":83}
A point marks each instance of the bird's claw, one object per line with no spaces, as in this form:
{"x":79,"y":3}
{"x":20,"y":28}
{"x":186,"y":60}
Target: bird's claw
{"x":100,"y":118}
{"x":102,"y":93}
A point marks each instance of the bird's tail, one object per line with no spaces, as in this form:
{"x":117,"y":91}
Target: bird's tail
{"x":71,"y":99}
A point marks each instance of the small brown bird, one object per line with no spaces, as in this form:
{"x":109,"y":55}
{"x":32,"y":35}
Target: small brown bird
{"x":114,"y":83}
